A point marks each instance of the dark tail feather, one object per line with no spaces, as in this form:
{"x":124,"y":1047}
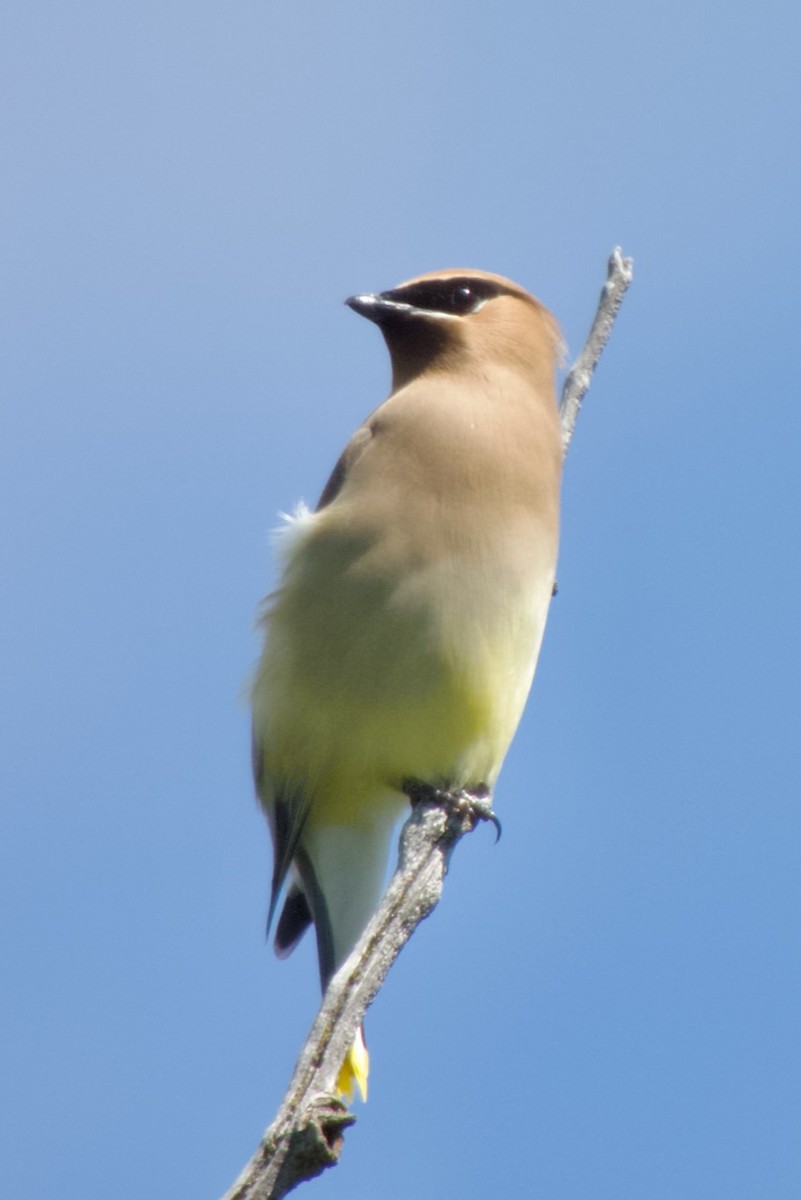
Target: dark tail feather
{"x":287,"y":817}
{"x":295,"y":919}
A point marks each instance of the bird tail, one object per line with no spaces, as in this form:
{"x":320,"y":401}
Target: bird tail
{"x":355,"y":1068}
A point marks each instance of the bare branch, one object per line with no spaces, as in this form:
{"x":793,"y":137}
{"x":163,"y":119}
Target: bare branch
{"x":618,"y":277}
{"x":307,"y":1134}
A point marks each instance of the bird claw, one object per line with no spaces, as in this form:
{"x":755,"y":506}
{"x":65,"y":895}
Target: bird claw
{"x":477,"y":804}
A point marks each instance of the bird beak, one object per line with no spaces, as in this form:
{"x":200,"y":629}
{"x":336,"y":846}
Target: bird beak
{"x":376,"y":307}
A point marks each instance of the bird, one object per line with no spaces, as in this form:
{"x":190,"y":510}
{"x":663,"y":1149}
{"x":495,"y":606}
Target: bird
{"x":401,"y":640}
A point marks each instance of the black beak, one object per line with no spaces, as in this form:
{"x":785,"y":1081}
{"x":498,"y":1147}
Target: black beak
{"x":377,"y":307}
{"x":364,"y":305}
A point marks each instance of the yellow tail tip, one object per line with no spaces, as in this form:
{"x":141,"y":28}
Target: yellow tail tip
{"x":354,"y":1069}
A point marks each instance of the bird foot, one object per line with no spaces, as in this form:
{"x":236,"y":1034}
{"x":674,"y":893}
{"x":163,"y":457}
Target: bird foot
{"x":464,"y":803}
{"x":478,"y":804}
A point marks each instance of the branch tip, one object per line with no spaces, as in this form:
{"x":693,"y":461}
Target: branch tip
{"x":619,"y":274}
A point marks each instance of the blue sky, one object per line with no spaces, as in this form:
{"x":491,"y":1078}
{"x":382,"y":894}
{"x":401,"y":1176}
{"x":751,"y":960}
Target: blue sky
{"x":606,"y":1004}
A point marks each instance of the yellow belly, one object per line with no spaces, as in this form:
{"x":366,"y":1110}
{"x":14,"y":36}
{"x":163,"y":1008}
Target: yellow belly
{"x":371,"y":678}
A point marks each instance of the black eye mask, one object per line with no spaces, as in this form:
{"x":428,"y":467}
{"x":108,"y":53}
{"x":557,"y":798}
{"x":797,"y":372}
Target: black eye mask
{"x":457,"y":297}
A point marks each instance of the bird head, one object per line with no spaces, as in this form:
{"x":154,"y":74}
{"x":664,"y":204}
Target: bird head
{"x":461,"y":320}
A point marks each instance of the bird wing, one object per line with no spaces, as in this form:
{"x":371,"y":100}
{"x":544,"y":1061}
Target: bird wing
{"x":345,"y":463}
{"x":286,"y":814}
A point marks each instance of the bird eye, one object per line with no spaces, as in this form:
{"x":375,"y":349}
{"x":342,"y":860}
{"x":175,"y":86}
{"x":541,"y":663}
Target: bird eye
{"x":458,"y":298}
{"x":461,"y":300}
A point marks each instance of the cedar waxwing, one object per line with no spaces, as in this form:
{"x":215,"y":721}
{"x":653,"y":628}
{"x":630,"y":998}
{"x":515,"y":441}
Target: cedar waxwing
{"x":402,"y":639}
